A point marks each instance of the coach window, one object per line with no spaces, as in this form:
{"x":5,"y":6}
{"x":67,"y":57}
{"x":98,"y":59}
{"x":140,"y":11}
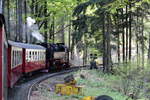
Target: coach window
{"x":13,"y":56}
{"x":15,"y":59}
{"x":29,"y":55}
{"x":20,"y":57}
{"x":42,"y":55}
{"x":37,"y":55}
{"x":19,"y":60}
{"x":32,"y":55}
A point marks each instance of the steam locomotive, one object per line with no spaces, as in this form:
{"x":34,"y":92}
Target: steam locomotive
{"x":18,"y":59}
{"x":57,"y":56}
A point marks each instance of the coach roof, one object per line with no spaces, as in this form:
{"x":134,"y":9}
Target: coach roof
{"x":25,"y":45}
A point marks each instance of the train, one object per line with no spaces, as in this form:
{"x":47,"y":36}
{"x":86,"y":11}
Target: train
{"x":20,"y":59}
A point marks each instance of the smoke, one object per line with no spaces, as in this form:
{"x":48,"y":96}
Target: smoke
{"x":30,"y":21}
{"x":33,"y":29}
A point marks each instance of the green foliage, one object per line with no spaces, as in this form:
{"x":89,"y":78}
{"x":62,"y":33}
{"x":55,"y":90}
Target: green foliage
{"x":134,"y":79}
{"x":97,"y":83}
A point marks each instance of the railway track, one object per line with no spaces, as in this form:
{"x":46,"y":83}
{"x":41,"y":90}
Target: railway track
{"x":23,"y":90}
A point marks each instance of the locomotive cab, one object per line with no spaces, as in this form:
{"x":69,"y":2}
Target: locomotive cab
{"x":56,"y":56}
{"x":60,"y":56}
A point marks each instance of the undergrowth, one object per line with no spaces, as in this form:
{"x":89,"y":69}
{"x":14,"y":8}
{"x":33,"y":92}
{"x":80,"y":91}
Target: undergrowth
{"x":128,"y":82}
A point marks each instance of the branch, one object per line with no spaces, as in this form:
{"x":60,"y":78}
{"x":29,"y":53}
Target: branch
{"x":42,"y":23}
{"x":62,"y":29}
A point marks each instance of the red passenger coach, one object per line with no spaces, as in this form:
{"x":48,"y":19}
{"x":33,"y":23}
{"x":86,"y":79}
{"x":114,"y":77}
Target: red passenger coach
{"x":15,"y":62}
{"x":34,"y":58}
{"x":24,"y":58}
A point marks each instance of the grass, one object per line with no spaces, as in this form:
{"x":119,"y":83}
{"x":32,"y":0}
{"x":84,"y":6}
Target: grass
{"x":128,"y":81}
{"x":97,"y":83}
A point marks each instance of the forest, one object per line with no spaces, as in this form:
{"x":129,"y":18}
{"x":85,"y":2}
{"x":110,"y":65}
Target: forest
{"x":117,"y":32}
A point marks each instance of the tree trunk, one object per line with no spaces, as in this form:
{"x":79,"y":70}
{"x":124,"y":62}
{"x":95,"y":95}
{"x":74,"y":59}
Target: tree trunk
{"x":123,"y":37}
{"x":2,"y":8}
{"x":50,"y":31}
{"x":142,"y":40}
{"x":149,"y":47}
{"x":17,"y":33}
{"x":137,"y":37}
{"x":104,"y":45}
{"x":109,"y":64}
{"x":8,"y":19}
{"x":127,"y":33}
{"x":62,"y":30}
{"x":36,"y":7}
{"x":45,"y":24}
{"x":53,"y":28}
{"x":118,"y":36}
{"x":32,"y":7}
{"x":69,"y":40}
{"x":130,"y":32}
{"x":69,"y":35}
{"x":20,"y":20}
{"x":25,"y":11}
